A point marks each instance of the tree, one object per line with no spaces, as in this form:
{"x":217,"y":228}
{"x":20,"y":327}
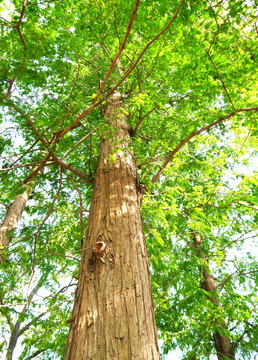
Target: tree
{"x":205,"y":288}
{"x":15,"y":210}
{"x":16,"y":330}
{"x":116,"y":108}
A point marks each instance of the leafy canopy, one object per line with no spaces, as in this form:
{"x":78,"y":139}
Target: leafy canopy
{"x":187,"y":74}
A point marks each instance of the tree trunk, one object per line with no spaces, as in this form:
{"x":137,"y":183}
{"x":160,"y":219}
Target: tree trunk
{"x":15,"y":210}
{"x":12,"y":217}
{"x":113,"y":316}
{"x":223,"y":344}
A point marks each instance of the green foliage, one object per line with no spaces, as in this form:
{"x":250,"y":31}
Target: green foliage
{"x":200,"y":70}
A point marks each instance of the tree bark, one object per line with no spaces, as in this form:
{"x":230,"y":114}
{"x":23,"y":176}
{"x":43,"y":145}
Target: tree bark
{"x":223,"y":344}
{"x":14,"y":212}
{"x":12,"y":217}
{"x":113,"y":315}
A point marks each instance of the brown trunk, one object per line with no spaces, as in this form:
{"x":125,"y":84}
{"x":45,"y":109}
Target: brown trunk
{"x":12,"y":217}
{"x":113,"y":315}
{"x":222,"y":343}
{"x":15,"y":210}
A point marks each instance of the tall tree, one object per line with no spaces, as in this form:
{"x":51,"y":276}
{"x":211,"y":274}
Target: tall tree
{"x":113,"y":316}
{"x":125,"y":99}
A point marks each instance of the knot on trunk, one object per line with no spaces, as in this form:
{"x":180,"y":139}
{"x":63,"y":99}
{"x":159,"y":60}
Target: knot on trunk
{"x":99,"y":249}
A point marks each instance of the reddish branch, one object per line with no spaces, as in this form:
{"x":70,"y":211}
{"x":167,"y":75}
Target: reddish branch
{"x":46,"y":145}
{"x":144,"y":50}
{"x":18,"y":27}
{"x":194,"y":133}
{"x":113,"y":62}
{"x":120,"y":50}
{"x":94,"y":104}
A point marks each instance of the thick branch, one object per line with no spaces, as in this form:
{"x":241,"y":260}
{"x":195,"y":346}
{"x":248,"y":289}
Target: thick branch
{"x":222,"y":343}
{"x":12,"y":217}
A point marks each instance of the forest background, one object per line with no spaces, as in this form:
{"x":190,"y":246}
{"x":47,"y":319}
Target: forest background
{"x":185,"y":77}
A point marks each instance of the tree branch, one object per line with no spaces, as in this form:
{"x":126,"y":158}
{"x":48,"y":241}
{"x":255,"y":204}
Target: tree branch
{"x":35,"y":354}
{"x":223,"y":84}
{"x":232,"y":276}
{"x":120,"y":50}
{"x":94,"y":104}
{"x":46,"y":145}
{"x":34,"y":172}
{"x":22,"y":165}
{"x":18,"y":27}
{"x":194,"y":133}
{"x":113,"y":62}
{"x":234,"y":345}
{"x":27,"y":326}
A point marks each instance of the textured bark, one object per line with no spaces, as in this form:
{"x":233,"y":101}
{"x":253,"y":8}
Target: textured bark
{"x":113,"y":316}
{"x":223,"y":344}
{"x":12,"y":217}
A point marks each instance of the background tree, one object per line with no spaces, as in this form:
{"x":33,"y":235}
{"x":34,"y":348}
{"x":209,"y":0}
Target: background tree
{"x":208,"y":275}
{"x":185,"y":73}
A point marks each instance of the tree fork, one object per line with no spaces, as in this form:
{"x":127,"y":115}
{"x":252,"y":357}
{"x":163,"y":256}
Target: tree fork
{"x":113,"y":315}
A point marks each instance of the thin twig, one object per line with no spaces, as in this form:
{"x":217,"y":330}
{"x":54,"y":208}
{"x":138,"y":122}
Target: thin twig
{"x":232,"y":276}
{"x":223,"y":84}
